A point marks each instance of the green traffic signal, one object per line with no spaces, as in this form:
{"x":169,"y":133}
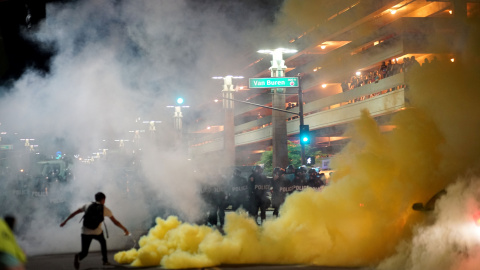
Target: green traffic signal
{"x":304,"y":134}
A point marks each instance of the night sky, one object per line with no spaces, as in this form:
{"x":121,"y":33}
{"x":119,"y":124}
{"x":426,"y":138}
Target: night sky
{"x":19,"y":17}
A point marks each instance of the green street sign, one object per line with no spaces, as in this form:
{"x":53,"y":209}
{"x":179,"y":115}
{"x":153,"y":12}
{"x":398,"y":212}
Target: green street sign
{"x":6,"y":147}
{"x":276,"y":82}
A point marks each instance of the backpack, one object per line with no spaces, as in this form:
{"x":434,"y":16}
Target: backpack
{"x":93,"y":216}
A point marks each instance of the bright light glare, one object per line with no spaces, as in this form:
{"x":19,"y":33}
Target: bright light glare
{"x":279,"y":49}
{"x":323,"y":47}
{"x":452,"y":60}
{"x":233,"y":77}
{"x":289,"y":51}
{"x":216,"y":100}
{"x":179,"y":100}
{"x":476,"y":218}
{"x":324,"y":85}
{"x":358,"y":73}
{"x":265,"y":51}
{"x":393,"y":11}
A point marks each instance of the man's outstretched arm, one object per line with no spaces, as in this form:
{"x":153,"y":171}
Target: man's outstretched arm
{"x":71,"y":216}
{"x":118,"y":224}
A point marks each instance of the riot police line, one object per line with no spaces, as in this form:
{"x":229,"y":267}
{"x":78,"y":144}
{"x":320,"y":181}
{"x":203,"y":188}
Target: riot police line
{"x":257,"y":193}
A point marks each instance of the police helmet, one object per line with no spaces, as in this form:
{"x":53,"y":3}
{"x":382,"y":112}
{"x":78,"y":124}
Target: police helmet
{"x":290,"y":169}
{"x":303,"y":168}
{"x":258,"y":168}
{"x":312,"y":171}
{"x":279,"y":171}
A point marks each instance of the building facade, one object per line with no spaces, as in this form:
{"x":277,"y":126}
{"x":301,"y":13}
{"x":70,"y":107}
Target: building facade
{"x":360,"y":58}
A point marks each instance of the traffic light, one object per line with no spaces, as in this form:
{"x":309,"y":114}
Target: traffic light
{"x":304,"y":134}
{"x":179,"y":101}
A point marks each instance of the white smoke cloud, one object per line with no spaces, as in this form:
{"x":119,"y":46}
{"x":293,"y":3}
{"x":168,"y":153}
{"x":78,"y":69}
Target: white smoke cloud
{"x":449,"y":238}
{"x":115,"y":61}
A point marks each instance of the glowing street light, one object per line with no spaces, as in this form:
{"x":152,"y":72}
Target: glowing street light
{"x":228,"y":90}
{"x":278,"y":64}
{"x":151,"y":125}
{"x":121,"y":142}
{"x":178,"y":113}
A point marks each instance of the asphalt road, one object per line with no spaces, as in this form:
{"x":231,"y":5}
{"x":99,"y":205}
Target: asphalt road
{"x":94,"y":261}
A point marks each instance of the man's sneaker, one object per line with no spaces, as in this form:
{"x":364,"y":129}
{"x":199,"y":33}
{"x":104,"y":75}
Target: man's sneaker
{"x":76,"y":262}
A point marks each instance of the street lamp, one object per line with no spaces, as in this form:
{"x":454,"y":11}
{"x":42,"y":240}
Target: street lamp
{"x":228,"y":90}
{"x":121,"y":142}
{"x":229,"y":127}
{"x":279,"y":125}
{"x":151,"y":125}
{"x":177,"y":124}
{"x":29,"y":146}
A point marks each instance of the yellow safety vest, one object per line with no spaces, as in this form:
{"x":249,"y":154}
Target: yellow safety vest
{"x":8,"y":243}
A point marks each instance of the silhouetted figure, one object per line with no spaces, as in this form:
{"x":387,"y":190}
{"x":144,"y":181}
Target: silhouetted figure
{"x":258,"y":186}
{"x":279,"y":189}
{"x":89,"y":234}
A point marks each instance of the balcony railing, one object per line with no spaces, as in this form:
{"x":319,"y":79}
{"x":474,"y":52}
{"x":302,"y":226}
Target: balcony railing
{"x":383,"y":97}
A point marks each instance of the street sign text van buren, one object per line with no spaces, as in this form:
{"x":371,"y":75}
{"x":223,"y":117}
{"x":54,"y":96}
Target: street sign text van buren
{"x":282,"y":82}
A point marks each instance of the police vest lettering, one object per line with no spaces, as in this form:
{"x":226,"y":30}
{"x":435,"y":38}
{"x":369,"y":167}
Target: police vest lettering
{"x":262,"y":187}
{"x":217,"y":189}
{"x":241,"y":188}
{"x":287,"y":189}
{"x":212,"y":189}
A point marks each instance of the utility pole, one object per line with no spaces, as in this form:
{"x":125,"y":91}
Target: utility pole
{"x":300,"y":114}
{"x":229,"y":126}
{"x":177,"y":119}
{"x":279,"y":124}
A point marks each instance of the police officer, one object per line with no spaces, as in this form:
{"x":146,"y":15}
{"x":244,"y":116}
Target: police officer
{"x":220,"y":198}
{"x":259,"y":186}
{"x":299,"y":182}
{"x":238,"y":190}
{"x":206,"y":195}
{"x":279,"y":189}
{"x":290,"y":172}
{"x":215,"y":199}
{"x":314,"y":180}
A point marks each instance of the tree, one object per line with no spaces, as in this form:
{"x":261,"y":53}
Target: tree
{"x":294,"y":156}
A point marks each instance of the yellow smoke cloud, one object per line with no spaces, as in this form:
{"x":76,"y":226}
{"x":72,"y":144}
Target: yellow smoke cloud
{"x":347,"y":223}
{"x":362,"y":216}
{"x":357,"y":220}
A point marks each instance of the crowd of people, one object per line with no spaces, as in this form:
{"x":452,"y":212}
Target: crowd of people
{"x":386,"y":70}
{"x":257,"y":193}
